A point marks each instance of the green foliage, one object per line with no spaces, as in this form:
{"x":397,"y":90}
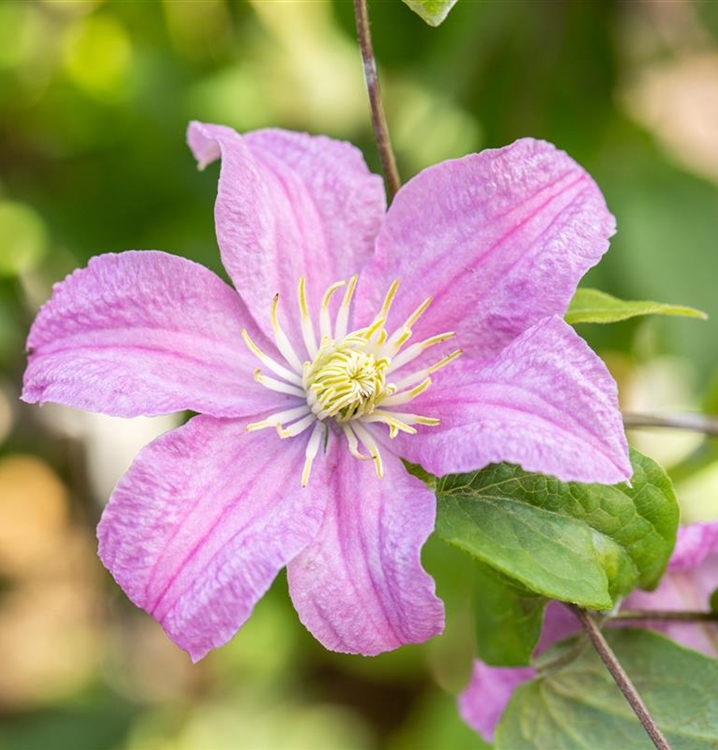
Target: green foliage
{"x":593,"y":306}
{"x":432,"y":11}
{"x":508,"y":619}
{"x":24,"y":238}
{"x":95,"y":98}
{"x":584,"y":543}
{"x":580,"y":705}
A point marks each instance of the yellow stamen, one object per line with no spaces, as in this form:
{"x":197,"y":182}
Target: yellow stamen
{"x":267,"y":361}
{"x":415,"y":350}
{"x":371,"y":446}
{"x":280,"y":417}
{"x":347,"y":376}
{"x":310,"y":340}
{"x":325,"y":325}
{"x":296,"y":428}
{"x":384,"y":312}
{"x":281,"y":339}
{"x":276,"y":385}
{"x":343,"y":314}
{"x":311,"y":453}
{"x":353,"y":443}
{"x":403,"y":334}
{"x":404,"y":397}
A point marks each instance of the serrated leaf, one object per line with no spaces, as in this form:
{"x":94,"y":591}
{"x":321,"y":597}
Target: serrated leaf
{"x":508,"y":619}
{"x":579,"y":706}
{"x":432,"y":11}
{"x":593,"y":306}
{"x":584,"y":543}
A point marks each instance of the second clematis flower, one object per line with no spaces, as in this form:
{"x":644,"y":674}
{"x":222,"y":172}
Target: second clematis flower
{"x":354,"y":337}
{"x":691,"y":578}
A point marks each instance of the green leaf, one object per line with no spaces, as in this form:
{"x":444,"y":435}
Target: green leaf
{"x":432,"y":11}
{"x":580,"y":706}
{"x":713,"y":601}
{"x":592,"y":306}
{"x":508,"y":619}
{"x":420,"y":473}
{"x":584,"y":543}
{"x":24,"y":238}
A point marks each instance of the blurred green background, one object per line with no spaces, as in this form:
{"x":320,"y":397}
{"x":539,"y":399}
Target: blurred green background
{"x":94,"y":101}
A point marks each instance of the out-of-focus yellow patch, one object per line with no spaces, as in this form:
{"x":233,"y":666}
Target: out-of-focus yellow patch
{"x":24,"y":238}
{"x":98,"y":57}
{"x":49,"y":641}
{"x":33,"y":513}
{"x":49,"y":632}
{"x":198,"y":29}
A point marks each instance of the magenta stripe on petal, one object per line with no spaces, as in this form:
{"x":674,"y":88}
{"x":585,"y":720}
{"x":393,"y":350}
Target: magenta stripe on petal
{"x":500,"y":239}
{"x":289,"y":205}
{"x":203,"y":521}
{"x":547,"y":402}
{"x":144,"y":332}
{"x":360,"y":588}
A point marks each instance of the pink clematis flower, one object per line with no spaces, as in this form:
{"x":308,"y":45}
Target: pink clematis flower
{"x":691,"y":578}
{"x":334,"y":348}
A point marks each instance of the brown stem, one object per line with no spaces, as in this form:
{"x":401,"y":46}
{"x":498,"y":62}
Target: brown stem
{"x":621,"y":678}
{"x":694,"y":422}
{"x":378,"y":118}
{"x":665,"y":614}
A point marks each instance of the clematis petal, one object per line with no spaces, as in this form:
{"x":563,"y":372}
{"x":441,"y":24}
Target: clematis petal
{"x":547,"y":402}
{"x":558,"y":623}
{"x":695,"y":543}
{"x":484,"y":700}
{"x":360,"y":587}
{"x":500,"y":239}
{"x":487,"y":695}
{"x":289,"y":205}
{"x":692,"y":576}
{"x":143,"y":332}
{"x":691,"y":579}
{"x":198,"y":528}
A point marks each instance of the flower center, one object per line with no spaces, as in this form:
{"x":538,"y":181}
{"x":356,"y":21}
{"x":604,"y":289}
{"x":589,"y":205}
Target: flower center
{"x":356,"y":379}
{"x":345,"y":381}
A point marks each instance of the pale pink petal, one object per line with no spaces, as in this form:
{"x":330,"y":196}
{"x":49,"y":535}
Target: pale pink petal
{"x":692,"y":576}
{"x":144,"y":332}
{"x":694,"y":544}
{"x":558,"y":623}
{"x":491,"y":688}
{"x":360,"y":587}
{"x":681,"y":590}
{"x":200,"y":525}
{"x":500,"y":239}
{"x":547,"y":402}
{"x":289,"y":205}
{"x":691,"y":579}
{"x":489,"y":692}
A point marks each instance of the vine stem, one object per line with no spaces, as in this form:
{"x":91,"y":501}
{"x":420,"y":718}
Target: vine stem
{"x":666,"y":615}
{"x":694,"y":422}
{"x":378,"y":118}
{"x":621,"y":678}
